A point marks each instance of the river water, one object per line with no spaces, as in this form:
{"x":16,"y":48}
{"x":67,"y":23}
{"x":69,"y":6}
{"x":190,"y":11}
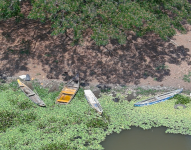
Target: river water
{"x":152,"y":139}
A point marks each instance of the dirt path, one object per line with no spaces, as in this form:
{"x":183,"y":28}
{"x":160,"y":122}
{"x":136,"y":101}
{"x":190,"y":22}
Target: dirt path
{"x":28,"y":48}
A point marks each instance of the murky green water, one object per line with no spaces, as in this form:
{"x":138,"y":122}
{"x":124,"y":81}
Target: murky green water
{"x":153,"y":139}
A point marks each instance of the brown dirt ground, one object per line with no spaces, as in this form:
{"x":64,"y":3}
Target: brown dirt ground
{"x":28,"y":48}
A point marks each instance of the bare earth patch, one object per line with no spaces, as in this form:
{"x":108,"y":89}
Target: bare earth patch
{"x":28,"y":48}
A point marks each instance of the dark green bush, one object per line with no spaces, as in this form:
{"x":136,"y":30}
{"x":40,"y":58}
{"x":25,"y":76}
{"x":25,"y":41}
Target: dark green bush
{"x":182,"y":99}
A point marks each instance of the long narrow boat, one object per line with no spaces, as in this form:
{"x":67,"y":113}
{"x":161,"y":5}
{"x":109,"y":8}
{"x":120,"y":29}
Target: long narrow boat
{"x":158,"y":99}
{"x":92,"y":100}
{"x":30,"y":94}
{"x":69,"y":91}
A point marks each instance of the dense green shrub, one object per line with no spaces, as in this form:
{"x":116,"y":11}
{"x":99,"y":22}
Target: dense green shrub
{"x":182,"y":99}
{"x":10,"y":9}
{"x":108,"y":19}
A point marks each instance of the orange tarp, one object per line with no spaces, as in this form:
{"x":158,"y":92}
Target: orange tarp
{"x":64,"y":98}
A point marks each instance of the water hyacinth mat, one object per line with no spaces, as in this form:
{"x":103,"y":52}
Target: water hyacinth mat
{"x":24,"y":125}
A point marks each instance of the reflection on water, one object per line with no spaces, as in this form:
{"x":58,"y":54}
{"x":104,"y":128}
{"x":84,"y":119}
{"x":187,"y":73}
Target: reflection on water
{"x":153,"y":139}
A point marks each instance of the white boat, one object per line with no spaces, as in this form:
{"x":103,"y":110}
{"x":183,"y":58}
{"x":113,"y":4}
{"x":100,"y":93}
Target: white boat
{"x":158,"y":99}
{"x":92,"y":100}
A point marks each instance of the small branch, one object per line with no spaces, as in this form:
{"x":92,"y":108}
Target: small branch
{"x":173,"y":42}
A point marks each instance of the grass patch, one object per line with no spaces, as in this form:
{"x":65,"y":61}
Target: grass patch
{"x":105,"y":90}
{"x":96,"y":123}
{"x":14,"y":85}
{"x":4,"y":87}
{"x":186,"y":78}
{"x":56,"y":146}
{"x":141,"y":91}
{"x":10,"y":118}
{"x":187,"y":92}
{"x":25,"y":105}
{"x":23,"y":118}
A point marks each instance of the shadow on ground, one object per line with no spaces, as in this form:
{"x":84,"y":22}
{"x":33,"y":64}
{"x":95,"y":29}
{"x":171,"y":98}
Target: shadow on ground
{"x":138,"y":58}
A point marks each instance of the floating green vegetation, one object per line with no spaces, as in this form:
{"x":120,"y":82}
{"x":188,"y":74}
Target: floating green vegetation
{"x":96,"y":123}
{"x":182,"y":99}
{"x":13,"y":118}
{"x":56,"y":146}
{"x":24,"y":125}
{"x":6,"y":119}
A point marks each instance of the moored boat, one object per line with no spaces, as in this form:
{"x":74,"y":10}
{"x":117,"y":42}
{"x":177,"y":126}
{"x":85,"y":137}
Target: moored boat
{"x":69,"y":91}
{"x":158,"y":99}
{"x":30,"y":94}
{"x":92,"y":100}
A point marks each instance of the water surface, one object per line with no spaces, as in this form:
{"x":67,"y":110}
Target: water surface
{"x":152,"y":139}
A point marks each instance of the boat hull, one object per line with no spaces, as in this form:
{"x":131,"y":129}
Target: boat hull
{"x":69,"y":91}
{"x":92,"y":100}
{"x":30,"y":94}
{"x":155,"y":100}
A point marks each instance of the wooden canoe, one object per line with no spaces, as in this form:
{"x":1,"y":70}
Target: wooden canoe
{"x":158,"y":99}
{"x":92,"y":100}
{"x":69,"y":91}
{"x":30,"y":94}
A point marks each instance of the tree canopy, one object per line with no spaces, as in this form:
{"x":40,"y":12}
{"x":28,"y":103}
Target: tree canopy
{"x":108,"y":19}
